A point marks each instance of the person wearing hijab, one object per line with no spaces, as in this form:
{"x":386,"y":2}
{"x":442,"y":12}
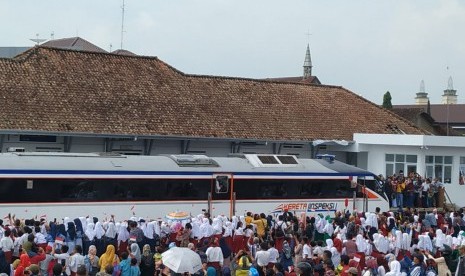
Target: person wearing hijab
{"x":91,"y":261}
{"x":99,"y":237}
{"x":238,"y":238}
{"x":135,"y":252}
{"x":79,"y":232}
{"x":108,"y":258}
{"x":147,"y":263}
{"x":89,"y":237}
{"x":286,"y":255}
{"x":123,"y":238}
{"x":149,"y":236}
{"x":110,"y":235}
{"x":71,"y":236}
{"x":394,"y":266}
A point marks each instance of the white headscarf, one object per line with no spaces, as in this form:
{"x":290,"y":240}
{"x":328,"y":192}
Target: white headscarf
{"x":440,"y":239}
{"x":149,"y":230}
{"x":335,"y":257}
{"x":135,"y":250}
{"x":65,"y":222}
{"x":394,"y":268}
{"x":449,"y":240}
{"x":329,"y":244}
{"x":111,"y":230}
{"x":123,"y":233}
{"x":156,"y":227}
{"x":99,"y":231}
{"x":206,"y":230}
{"x":217,"y":226}
{"x":228,"y":230}
{"x":398,"y":239}
{"x":196,"y":228}
{"x":361,"y":243}
{"x":405,"y":241}
{"x":83,"y":222}
{"x":234,"y":221}
{"x":90,"y":232}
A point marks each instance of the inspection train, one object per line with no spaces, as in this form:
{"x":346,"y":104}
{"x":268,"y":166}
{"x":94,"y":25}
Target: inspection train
{"x":91,"y":184}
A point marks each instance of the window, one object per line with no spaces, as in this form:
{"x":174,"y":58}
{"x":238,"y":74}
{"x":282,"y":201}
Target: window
{"x":37,"y":138}
{"x":400,"y":162}
{"x":439,"y":167}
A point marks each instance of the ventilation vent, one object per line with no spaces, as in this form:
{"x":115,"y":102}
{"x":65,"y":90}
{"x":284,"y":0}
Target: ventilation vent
{"x":287,"y":159}
{"x":267,"y":160}
{"x":187,"y":160}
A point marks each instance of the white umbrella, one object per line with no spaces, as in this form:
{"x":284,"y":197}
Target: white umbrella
{"x":182,"y":259}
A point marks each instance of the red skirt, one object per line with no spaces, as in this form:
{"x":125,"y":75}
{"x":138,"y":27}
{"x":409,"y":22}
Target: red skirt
{"x":279,"y":244}
{"x":229,"y":242}
{"x":8,"y":256}
{"x":238,"y":243}
{"x":122,"y":247}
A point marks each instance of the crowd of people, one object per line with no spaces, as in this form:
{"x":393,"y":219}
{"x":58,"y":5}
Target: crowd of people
{"x":344,"y":243}
{"x":413,"y":191}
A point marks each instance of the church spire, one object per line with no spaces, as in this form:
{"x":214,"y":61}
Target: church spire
{"x":307,"y":64}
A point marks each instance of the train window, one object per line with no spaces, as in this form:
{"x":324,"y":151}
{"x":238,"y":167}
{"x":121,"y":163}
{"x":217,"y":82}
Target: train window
{"x":222,"y":184}
{"x":86,"y":190}
{"x":292,"y":189}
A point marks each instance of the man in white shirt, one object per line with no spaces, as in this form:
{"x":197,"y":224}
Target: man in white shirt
{"x":306,"y":250}
{"x":215,"y":256}
{"x":7,"y":245}
{"x":62,"y":258}
{"x":263,"y":256}
{"x":76,"y":260}
{"x":274,"y":254}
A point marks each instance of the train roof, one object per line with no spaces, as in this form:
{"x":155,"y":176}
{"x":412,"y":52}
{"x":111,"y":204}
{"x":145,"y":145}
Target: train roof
{"x":266,"y":163}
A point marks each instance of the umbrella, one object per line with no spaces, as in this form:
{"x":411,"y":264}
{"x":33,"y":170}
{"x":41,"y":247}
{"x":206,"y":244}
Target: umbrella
{"x":178,"y":216}
{"x":181,"y":260}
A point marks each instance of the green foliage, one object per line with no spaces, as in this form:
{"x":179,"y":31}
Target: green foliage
{"x":387,"y":100}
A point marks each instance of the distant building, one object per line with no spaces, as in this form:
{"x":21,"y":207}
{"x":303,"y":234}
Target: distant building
{"x":422,"y":96}
{"x":450,"y":94}
{"x":307,"y":76}
{"x":446,"y":119}
{"x":10,"y":52}
{"x":74,"y":43}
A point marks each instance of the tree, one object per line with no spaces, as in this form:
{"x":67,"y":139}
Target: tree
{"x":387,"y":100}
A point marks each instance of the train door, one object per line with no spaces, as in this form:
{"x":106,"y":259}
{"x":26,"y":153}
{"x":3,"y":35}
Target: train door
{"x":221,"y":199}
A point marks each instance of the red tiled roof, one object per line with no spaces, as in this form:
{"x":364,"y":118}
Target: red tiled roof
{"x":64,"y":91}
{"x":74,"y":43}
{"x":442,"y":113}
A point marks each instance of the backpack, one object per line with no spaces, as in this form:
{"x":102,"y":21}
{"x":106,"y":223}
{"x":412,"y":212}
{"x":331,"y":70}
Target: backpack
{"x":279,"y":233}
{"x":287,"y":252}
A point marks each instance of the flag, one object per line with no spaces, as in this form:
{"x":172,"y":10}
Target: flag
{"x":43,"y":216}
{"x":59,"y":240}
{"x":6,"y":217}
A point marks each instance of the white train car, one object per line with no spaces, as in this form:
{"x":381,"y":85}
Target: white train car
{"x":69,"y":184}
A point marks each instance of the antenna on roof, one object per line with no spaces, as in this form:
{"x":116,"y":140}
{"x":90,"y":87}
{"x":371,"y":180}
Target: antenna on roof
{"x":111,"y":46}
{"x":122,"y":25}
{"x":38,"y":40}
{"x":52,"y":35}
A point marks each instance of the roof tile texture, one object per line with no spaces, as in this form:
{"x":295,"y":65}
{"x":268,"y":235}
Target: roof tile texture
{"x":56,"y":90}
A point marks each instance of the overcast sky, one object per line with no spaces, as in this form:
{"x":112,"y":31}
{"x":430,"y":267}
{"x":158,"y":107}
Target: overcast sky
{"x":367,"y":46}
